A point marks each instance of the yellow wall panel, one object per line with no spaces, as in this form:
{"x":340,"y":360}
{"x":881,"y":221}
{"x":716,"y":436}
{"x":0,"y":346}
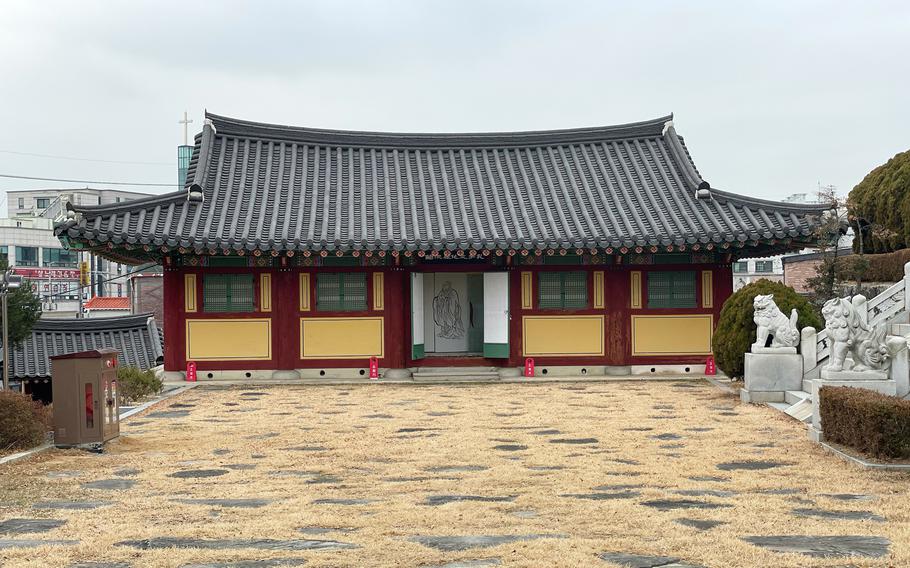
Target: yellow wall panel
{"x":527,"y":290}
{"x":598,"y":279}
{"x":227,"y":339}
{"x":707,"y":289}
{"x":265,"y":292}
{"x":341,"y":338}
{"x":635,"y":280}
{"x":672,"y":334}
{"x":304,"y":292}
{"x":189,"y":292}
{"x":563,"y":335}
{"x":378,"y":291}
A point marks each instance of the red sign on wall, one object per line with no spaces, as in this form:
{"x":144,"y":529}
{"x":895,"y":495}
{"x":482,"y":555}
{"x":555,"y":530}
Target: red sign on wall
{"x":374,"y":368}
{"x":191,"y":371}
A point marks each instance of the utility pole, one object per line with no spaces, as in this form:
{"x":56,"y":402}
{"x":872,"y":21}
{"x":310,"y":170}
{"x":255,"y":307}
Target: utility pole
{"x":9,"y":281}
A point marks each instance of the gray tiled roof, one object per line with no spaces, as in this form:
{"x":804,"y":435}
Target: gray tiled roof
{"x":137,"y":338}
{"x":269,"y":187}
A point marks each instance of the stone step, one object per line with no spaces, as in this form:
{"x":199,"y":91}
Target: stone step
{"x":782,"y":406}
{"x":802,"y":410}
{"x":792,"y":397}
{"x":455,"y":371}
{"x":442,"y":378}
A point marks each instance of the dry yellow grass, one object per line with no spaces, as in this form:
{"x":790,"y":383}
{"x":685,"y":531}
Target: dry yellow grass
{"x":369,"y":455}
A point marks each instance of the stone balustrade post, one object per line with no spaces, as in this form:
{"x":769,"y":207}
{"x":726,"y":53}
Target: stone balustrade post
{"x":808,"y":346}
{"x":907,"y":286}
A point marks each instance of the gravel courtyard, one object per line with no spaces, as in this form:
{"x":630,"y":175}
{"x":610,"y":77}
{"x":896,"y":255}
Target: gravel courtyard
{"x":559,"y":474}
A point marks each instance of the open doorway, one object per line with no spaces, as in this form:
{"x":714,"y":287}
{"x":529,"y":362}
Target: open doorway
{"x":453,"y":314}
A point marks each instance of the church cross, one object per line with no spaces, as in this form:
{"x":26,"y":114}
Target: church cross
{"x":185,"y":122}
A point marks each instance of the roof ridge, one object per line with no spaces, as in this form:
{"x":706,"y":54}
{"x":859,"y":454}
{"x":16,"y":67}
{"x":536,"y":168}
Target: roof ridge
{"x":238,"y":127}
{"x":91,"y":324}
{"x":757,"y":201}
{"x":129,"y":204}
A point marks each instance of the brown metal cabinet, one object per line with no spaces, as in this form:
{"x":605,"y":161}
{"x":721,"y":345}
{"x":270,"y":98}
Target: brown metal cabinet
{"x":86,"y":409}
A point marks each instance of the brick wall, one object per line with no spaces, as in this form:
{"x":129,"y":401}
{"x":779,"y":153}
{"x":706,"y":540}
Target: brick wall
{"x":148,"y":290}
{"x":798,"y":273}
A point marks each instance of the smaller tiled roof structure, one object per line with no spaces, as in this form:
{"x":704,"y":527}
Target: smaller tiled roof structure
{"x":136,"y":337}
{"x":270,"y":188}
{"x":108,"y":303}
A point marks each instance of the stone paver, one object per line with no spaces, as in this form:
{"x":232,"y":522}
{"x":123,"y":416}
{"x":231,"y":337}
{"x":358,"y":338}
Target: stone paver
{"x":459,"y":543}
{"x":110,"y":484}
{"x":643,"y":561}
{"x":274,"y":562}
{"x":839,"y":515}
{"x":6,"y":543}
{"x":231,"y":544}
{"x":436,"y":500}
{"x":824,"y":546}
{"x":71,"y":505}
{"x":27,"y":526}
{"x":198,"y":473}
{"x":231,"y":503}
{"x":672,"y":504}
{"x":750,"y":465}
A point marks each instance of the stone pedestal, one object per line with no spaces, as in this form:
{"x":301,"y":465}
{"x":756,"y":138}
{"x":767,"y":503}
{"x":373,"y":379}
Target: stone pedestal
{"x":847,"y":376}
{"x":769,"y":375}
{"x":286,"y":375}
{"x":773,"y":350}
{"x":397,"y":374}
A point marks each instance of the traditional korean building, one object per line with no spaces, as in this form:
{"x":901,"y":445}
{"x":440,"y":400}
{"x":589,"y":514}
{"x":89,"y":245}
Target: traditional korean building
{"x":308,"y":251}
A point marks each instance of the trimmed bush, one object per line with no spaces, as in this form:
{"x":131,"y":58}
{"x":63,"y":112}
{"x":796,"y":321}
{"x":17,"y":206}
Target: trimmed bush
{"x":735,"y":331}
{"x":24,"y":423}
{"x":888,"y":267}
{"x":873,"y":423}
{"x":135,"y":385}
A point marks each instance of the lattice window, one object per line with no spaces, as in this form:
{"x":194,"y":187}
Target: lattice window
{"x":671,"y":289}
{"x":764,"y":266}
{"x":341,"y":291}
{"x":562,"y":290}
{"x":741,"y":266}
{"x":228,"y":293}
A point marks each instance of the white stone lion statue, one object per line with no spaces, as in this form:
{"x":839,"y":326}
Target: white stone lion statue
{"x":870,"y":347}
{"x":772,"y":322}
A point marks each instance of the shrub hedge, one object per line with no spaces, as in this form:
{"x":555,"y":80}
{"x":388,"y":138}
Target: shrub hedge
{"x":24,"y":423}
{"x":136,"y":384}
{"x":887,"y":267}
{"x":735,"y":331}
{"x":873,"y":423}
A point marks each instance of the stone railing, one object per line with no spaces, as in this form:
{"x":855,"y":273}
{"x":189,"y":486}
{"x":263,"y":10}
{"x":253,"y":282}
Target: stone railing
{"x":815,"y":345}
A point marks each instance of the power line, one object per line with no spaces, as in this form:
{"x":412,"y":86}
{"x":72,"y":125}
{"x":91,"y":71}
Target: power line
{"x":90,"y":181}
{"x":81,"y":287}
{"x":85,"y":159}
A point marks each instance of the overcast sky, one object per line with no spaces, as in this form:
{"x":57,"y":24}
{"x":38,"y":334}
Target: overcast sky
{"x":771,"y":99}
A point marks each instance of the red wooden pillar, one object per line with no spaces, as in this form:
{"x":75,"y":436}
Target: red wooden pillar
{"x":397,"y":314}
{"x":617,"y":319}
{"x":285,"y":324}
{"x":174,"y":318}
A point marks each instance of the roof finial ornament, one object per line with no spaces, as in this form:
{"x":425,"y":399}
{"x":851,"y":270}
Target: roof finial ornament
{"x":667,"y":126}
{"x":208,"y":122}
{"x":194,"y":193}
{"x":703,"y":191}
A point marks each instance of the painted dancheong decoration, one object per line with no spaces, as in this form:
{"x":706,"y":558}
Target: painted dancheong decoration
{"x":869,"y":347}
{"x":771,"y":322}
